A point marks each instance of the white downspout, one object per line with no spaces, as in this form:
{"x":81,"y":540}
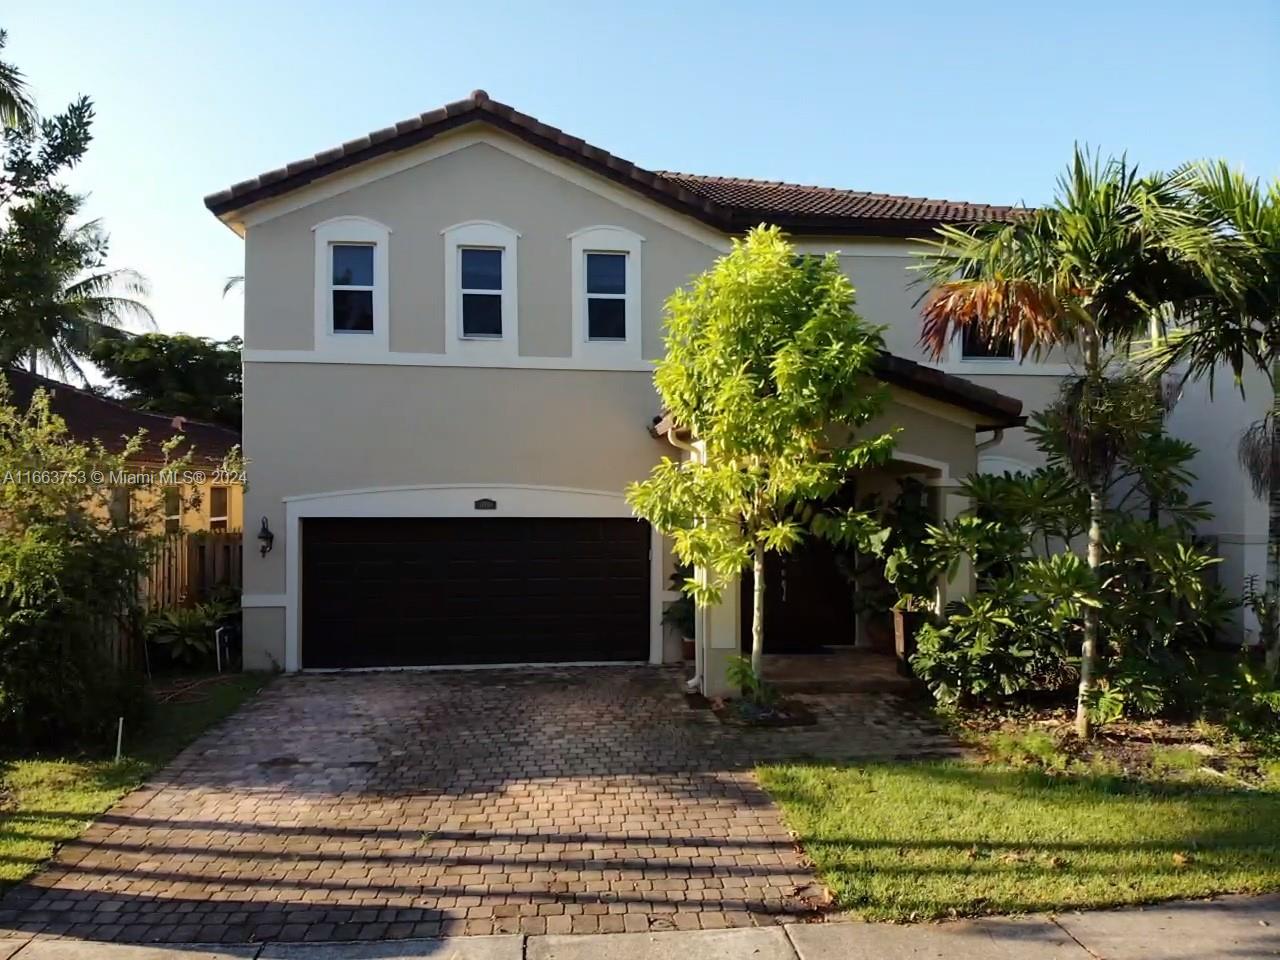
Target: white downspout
{"x":996,"y":437}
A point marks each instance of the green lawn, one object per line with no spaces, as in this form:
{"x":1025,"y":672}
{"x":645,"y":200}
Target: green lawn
{"x":916,"y":841}
{"x":44,"y":802}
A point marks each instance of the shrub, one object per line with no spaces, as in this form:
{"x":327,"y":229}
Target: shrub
{"x":69,"y":566}
{"x":1022,"y":629}
{"x":187,"y":635}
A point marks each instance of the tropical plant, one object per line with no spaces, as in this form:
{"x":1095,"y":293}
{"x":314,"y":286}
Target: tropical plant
{"x":769,"y":367}
{"x":187,"y":634}
{"x":16,"y":106}
{"x":1235,"y":323}
{"x":680,"y":612}
{"x":753,"y":687}
{"x":1090,"y":271}
{"x":1157,"y":608}
{"x":175,"y":374}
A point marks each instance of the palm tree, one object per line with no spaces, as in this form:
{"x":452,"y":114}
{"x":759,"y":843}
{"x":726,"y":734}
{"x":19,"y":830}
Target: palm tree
{"x":233,"y":282}
{"x":1087,"y":273}
{"x":16,"y":106}
{"x":1237,"y":324}
{"x":59,"y":320}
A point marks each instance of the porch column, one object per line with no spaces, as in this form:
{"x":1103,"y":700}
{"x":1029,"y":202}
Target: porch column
{"x":949,"y":503}
{"x":719,"y":640}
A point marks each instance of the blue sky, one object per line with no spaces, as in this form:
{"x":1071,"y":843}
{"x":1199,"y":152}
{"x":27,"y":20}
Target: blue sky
{"x":972,"y":101}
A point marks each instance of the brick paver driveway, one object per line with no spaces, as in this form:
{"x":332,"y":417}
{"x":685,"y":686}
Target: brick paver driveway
{"x":417,"y":804}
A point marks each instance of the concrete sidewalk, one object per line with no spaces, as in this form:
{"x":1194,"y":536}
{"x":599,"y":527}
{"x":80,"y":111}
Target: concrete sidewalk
{"x":1229,"y":927}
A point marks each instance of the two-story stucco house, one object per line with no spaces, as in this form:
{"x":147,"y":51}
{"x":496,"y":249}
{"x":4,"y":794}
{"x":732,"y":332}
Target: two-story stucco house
{"x":449,"y":329}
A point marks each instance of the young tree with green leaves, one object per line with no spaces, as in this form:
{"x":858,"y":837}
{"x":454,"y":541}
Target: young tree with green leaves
{"x":175,"y":373}
{"x":770,"y":369}
{"x":1089,"y":272}
{"x":1235,"y":247}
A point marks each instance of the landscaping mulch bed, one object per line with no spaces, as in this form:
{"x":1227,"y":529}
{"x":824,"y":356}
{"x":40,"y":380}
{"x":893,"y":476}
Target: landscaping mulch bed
{"x":1129,"y":748}
{"x":744,"y":713}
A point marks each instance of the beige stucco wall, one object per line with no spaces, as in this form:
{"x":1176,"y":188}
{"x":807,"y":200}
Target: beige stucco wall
{"x":325,"y":427}
{"x":477,"y":182}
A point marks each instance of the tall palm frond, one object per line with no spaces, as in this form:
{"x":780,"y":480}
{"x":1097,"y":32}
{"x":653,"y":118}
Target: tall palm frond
{"x":1236,"y":320}
{"x":17,"y":109}
{"x":232,"y":283}
{"x":1092,"y":264}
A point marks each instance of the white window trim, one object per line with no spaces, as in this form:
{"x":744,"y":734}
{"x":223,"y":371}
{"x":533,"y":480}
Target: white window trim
{"x":606,"y":239}
{"x":354,"y":230}
{"x":225,"y":516}
{"x":481,"y":233}
{"x":957,"y":355}
{"x":176,"y":516}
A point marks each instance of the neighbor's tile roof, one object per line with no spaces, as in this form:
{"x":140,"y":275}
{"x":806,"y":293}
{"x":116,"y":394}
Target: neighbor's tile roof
{"x":90,"y":417}
{"x":765,"y":197}
{"x":725,"y":203}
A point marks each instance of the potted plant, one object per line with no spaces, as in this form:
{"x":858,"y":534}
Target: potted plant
{"x":679,"y":614}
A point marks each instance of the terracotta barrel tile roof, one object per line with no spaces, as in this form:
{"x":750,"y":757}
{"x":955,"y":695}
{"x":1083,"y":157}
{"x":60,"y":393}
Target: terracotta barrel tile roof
{"x":725,"y":203}
{"x":765,"y":197}
{"x":91,"y":417}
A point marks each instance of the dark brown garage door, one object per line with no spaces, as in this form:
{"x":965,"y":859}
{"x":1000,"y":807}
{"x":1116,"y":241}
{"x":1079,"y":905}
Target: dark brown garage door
{"x":414,"y":592}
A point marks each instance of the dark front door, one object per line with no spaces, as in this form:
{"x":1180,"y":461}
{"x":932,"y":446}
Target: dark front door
{"x":389,"y":592}
{"x":808,"y":602}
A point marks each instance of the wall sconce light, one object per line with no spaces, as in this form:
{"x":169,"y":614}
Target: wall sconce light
{"x":266,"y":538}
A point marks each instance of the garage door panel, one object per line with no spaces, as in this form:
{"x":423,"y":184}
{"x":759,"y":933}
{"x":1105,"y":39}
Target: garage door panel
{"x":423,"y":591}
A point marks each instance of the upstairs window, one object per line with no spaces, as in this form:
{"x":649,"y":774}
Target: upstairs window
{"x":481,"y":283}
{"x":605,"y":272}
{"x":974,"y":345}
{"x":351,"y":284}
{"x":606,"y":296}
{"x":480,"y":270}
{"x":352,"y":287}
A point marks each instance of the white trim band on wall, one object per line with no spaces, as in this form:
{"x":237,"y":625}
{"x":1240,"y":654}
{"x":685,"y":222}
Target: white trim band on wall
{"x":255,"y":600}
{"x":450,"y":500}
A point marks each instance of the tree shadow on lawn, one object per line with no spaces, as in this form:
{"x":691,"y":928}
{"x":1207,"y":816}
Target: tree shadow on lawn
{"x":934,"y":840}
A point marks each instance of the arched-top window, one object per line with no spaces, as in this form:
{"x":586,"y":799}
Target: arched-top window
{"x":351,"y":281}
{"x":605,"y":273}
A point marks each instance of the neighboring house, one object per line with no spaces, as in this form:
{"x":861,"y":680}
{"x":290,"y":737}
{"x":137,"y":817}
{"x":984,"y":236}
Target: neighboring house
{"x":89,"y":417}
{"x":449,"y":328}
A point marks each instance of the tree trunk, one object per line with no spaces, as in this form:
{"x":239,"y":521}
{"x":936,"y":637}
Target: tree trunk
{"x":757,"y":612}
{"x":1271,"y":630}
{"x":1089,"y":649}
{"x":1092,"y":620}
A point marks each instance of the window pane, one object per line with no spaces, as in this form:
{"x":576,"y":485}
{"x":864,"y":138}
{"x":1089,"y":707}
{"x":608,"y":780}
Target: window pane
{"x":481,"y":269}
{"x":353,"y":311}
{"x":606,"y":319}
{"x":976,"y":346}
{"x":218,"y":501}
{"x":606,"y":273}
{"x":481,"y":315}
{"x":352,"y":265}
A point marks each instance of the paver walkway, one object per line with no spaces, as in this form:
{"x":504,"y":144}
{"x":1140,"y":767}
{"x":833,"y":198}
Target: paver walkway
{"x":372,"y":806}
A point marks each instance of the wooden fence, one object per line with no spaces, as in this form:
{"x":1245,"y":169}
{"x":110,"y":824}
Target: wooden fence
{"x":188,"y":566}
